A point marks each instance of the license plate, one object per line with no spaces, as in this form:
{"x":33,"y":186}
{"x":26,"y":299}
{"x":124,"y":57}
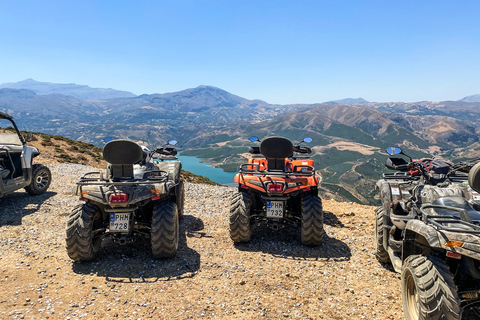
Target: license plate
{"x":119,"y":222}
{"x":274,"y":209}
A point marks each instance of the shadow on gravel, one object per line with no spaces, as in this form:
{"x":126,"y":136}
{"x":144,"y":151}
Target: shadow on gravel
{"x":15,"y":206}
{"x":332,"y":220}
{"x":286,"y":243}
{"x":133,"y":263}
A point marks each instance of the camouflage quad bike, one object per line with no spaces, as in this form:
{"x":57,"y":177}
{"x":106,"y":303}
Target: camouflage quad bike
{"x":277,"y":187}
{"x":136,"y":197}
{"x":428,"y":227}
{"x":16,"y":168}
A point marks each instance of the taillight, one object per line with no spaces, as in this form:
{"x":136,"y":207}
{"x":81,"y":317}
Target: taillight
{"x":118,"y":198}
{"x":275,"y":187}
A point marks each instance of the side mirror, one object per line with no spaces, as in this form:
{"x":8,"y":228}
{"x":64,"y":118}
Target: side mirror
{"x":474,"y":177}
{"x":29,"y":136}
{"x":393,"y":151}
{"x":307,"y":139}
{"x":172,"y":142}
{"x":253,"y":139}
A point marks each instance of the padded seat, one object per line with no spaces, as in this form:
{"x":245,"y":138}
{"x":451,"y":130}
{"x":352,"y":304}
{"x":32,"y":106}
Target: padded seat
{"x":456,"y":202}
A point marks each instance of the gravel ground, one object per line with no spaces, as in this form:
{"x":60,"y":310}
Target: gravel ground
{"x":272,"y":277}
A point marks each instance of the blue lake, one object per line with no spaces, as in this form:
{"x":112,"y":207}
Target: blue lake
{"x":217,"y":175}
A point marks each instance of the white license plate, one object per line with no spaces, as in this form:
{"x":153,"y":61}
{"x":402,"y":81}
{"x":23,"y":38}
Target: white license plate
{"x":274,"y":209}
{"x":119,"y":222}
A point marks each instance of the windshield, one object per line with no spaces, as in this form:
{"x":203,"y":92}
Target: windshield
{"x":8,"y":136}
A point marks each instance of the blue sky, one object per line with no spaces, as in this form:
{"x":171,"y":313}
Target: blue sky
{"x":278,"y":51}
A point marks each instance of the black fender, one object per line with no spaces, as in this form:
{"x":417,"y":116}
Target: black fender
{"x":173,"y":168}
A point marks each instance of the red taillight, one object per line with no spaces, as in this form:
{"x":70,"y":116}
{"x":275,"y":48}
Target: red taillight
{"x":275,"y":187}
{"x":118,"y":198}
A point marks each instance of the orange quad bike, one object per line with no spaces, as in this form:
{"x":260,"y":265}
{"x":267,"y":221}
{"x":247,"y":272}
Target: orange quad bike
{"x":277,"y":187}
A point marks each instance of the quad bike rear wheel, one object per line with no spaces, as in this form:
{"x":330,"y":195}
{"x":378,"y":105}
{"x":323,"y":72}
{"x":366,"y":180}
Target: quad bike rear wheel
{"x":380,"y":253}
{"x":165,"y":230}
{"x":41,"y":178}
{"x":428,"y":289}
{"x":240,"y":225}
{"x":312,"y":220}
{"x":82,"y":244}
{"x":180,"y":198}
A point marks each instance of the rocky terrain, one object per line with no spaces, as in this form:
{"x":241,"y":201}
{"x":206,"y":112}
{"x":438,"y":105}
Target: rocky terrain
{"x":272,"y":277}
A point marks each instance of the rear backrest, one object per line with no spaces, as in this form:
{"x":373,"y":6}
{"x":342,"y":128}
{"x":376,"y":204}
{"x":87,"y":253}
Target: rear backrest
{"x":122,"y":154}
{"x":276,"y":149}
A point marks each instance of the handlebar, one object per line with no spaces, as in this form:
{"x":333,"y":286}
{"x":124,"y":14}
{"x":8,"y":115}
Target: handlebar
{"x":168,"y":151}
{"x":302,"y":149}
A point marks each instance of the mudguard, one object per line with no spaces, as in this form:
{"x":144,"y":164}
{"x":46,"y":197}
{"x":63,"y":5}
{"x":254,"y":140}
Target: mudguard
{"x":173,"y":169}
{"x":415,"y":228}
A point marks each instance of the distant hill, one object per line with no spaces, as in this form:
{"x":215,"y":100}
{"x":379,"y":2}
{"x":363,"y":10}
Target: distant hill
{"x":151,"y":118}
{"x":68,"y":89}
{"x":347,"y":101}
{"x":472,"y":98}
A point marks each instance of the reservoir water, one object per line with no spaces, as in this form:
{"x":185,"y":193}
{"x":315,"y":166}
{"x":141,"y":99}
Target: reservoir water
{"x":193,"y":165}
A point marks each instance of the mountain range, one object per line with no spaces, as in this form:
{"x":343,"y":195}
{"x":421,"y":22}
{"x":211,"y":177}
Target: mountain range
{"x":349,"y":135}
{"x":67,"y":89}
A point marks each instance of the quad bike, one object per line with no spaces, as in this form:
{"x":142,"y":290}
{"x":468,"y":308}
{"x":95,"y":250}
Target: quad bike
{"x":139,"y":195}
{"x":278,"y":187}
{"x":16,"y":168}
{"x":428,"y":227}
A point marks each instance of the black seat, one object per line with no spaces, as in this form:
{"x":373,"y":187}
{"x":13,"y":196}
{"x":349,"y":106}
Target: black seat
{"x":275,"y":150}
{"x":122,"y":154}
{"x":456,"y":202}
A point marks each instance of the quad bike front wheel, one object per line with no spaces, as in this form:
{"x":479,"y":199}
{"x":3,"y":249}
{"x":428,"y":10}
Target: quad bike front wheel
{"x":428,"y":289}
{"x":380,"y":253}
{"x":165,"y":230}
{"x":312,"y":220}
{"x":41,"y":178}
{"x":82,"y":243}
{"x":240,"y":226}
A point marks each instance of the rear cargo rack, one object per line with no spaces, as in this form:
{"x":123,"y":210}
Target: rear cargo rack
{"x":256,"y":171}
{"x":154,"y":176}
{"x":439,"y":220}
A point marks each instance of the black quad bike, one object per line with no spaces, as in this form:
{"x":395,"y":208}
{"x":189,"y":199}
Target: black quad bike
{"x":139,"y":195}
{"x":16,"y":168}
{"x":428,"y":227}
{"x":277,"y":187}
